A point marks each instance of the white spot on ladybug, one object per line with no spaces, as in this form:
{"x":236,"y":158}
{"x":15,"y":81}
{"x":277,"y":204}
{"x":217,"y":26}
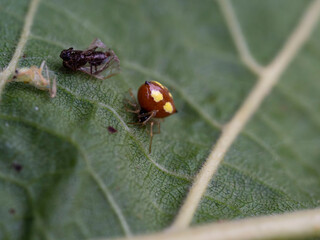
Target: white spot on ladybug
{"x":157,"y":95}
{"x":168,"y":107}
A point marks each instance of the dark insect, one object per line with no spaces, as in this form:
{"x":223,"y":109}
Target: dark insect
{"x":154,"y":101}
{"x":99,"y":64}
{"x":16,"y":166}
{"x":112,"y":129}
{"x":12,"y":211}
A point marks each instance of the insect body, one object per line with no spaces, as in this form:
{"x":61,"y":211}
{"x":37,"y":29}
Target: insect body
{"x":105,"y":64}
{"x":154,"y":101}
{"x":41,"y":78}
{"x":73,"y":59}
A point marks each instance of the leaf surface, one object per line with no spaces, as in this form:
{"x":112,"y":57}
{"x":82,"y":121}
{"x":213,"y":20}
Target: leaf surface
{"x":80,"y":181}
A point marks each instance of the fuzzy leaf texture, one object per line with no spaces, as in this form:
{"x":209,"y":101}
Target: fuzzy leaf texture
{"x":78,"y":181}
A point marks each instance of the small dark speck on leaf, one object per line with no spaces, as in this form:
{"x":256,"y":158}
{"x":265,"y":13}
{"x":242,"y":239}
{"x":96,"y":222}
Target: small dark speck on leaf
{"x":24,"y":56}
{"x":18,"y":167}
{"x":112,"y":130}
{"x":12,"y":211}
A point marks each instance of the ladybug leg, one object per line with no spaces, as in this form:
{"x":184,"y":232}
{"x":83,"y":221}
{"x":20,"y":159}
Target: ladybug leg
{"x":152,"y":114}
{"x":147,"y":114}
{"x":158,"y":124}
{"x":131,"y":103}
{"x":132,"y":96}
{"x":151,"y":135}
{"x":133,"y":111}
{"x":152,"y":122}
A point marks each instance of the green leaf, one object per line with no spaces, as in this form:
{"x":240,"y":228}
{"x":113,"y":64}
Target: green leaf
{"x":80,"y":181}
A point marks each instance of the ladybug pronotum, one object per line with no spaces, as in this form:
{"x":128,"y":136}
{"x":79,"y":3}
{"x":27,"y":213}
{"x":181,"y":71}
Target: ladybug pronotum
{"x":154,"y":101}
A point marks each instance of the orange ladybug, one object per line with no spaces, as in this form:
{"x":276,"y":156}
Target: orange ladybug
{"x":154,"y":101}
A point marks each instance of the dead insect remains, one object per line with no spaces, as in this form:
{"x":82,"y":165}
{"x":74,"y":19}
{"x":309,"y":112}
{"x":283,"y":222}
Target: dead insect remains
{"x":41,"y":78}
{"x":99,"y":64}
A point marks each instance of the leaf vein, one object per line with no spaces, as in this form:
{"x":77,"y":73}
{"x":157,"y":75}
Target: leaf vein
{"x":305,"y":107}
{"x":112,"y":110}
{"x":261,"y":182}
{"x":99,"y":182}
{"x":238,"y":38}
{"x":21,"y":44}
{"x":267,"y":148}
{"x":268,"y":78}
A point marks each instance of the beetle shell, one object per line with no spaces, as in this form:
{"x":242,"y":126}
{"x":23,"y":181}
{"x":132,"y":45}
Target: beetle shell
{"x":154,"y":96}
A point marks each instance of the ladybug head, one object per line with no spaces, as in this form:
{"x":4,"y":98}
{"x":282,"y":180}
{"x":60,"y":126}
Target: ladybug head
{"x":142,"y":117}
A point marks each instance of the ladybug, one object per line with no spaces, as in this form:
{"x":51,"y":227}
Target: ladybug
{"x":154,"y":101}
